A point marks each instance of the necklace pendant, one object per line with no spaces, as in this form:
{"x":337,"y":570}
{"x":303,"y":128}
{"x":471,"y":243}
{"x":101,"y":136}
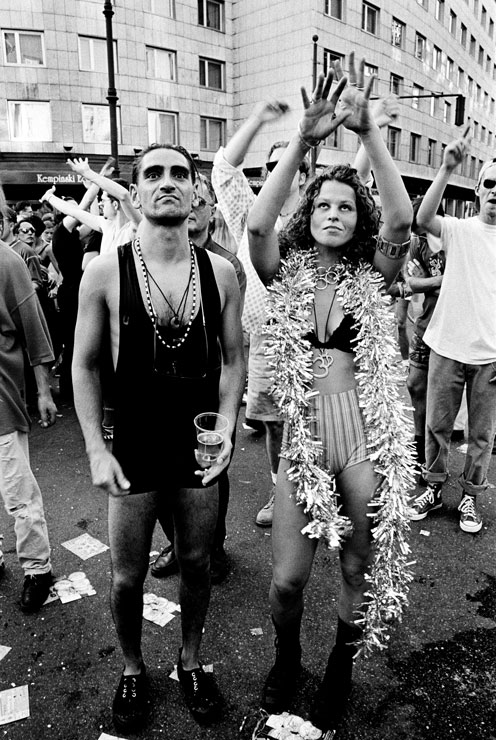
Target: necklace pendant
{"x":324,"y":361}
{"x":175,"y":324}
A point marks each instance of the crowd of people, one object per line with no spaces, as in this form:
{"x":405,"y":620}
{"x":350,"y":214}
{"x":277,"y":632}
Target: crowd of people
{"x":147,"y":311}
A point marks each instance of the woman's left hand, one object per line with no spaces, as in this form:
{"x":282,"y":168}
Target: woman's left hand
{"x":320,"y":117}
{"x":355,"y":97}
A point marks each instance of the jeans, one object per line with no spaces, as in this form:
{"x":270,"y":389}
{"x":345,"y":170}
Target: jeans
{"x":445,"y":384}
{"x":22,"y":499}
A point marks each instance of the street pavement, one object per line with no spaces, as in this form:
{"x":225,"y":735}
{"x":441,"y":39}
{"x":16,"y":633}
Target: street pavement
{"x":436,"y":680}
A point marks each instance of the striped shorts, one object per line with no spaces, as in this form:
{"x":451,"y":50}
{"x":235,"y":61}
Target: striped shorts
{"x":337,"y":422}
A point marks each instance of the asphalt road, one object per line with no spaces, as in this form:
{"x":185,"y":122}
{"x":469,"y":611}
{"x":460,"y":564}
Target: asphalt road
{"x":436,"y":681}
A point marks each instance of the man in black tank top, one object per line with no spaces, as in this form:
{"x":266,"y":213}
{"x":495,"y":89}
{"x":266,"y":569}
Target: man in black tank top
{"x":173,"y":316}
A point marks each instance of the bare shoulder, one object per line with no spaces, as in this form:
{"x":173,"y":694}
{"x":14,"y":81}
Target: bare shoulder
{"x":224,"y":272}
{"x":101,"y":273}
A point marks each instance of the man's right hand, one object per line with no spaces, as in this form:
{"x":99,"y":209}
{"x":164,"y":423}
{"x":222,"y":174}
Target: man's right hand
{"x":456,"y":152}
{"x":270,"y":110}
{"x":106,"y":473}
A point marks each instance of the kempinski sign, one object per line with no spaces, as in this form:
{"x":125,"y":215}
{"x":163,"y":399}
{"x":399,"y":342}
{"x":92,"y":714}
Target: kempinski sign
{"x":35,"y":177}
{"x":69,"y":179}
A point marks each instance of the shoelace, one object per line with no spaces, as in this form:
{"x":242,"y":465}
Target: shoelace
{"x":132,"y":680}
{"x":467,"y":507}
{"x":424,"y":498}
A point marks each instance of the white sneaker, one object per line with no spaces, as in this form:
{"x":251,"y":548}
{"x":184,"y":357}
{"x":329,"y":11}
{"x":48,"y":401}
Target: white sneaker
{"x":264,"y":516}
{"x":470,"y":519}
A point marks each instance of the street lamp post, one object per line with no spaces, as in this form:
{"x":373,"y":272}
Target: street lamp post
{"x":112,"y":92}
{"x":313,"y":153}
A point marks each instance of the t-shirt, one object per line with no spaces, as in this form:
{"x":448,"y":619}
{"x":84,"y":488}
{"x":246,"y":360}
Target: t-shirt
{"x":432,"y":261}
{"x":114,"y":236}
{"x":463,"y":325}
{"x":22,"y":325}
{"x":31,"y":259}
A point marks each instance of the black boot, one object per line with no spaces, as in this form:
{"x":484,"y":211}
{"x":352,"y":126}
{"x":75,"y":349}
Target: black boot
{"x":332,"y":697}
{"x":280,"y":684}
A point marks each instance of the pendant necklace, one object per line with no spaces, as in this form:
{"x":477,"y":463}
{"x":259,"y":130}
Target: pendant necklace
{"x":324,"y":359}
{"x":176,"y":341}
{"x":326,"y":278}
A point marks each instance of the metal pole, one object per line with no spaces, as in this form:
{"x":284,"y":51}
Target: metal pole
{"x":313,"y":152}
{"x":112,"y":92}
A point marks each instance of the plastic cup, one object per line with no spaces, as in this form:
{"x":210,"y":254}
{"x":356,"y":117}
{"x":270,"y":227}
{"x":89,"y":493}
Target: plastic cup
{"x":210,"y":431}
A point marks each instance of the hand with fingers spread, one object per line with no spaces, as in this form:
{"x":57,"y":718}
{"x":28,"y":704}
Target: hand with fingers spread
{"x":320,"y":117}
{"x":80,"y":166}
{"x":456,"y":152}
{"x":355,"y":97}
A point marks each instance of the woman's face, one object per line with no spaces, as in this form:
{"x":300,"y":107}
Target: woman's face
{"x":334,"y":217}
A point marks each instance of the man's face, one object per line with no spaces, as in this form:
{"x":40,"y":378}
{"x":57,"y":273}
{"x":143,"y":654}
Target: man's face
{"x":26,"y":233}
{"x":202,"y":208}
{"x":26,"y":212}
{"x":487,"y":194}
{"x":164,"y":190}
{"x":108,"y":208}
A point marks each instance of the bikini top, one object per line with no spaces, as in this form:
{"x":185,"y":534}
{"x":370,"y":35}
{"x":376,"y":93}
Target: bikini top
{"x":341,"y":338}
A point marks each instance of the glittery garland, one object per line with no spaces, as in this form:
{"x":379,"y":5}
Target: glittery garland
{"x":387,"y":426}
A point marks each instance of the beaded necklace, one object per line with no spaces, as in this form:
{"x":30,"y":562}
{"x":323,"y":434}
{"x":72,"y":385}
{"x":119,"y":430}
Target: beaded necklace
{"x":176,"y":342}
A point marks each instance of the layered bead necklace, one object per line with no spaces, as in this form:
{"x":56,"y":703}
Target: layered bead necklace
{"x":175,"y":323}
{"x":324,"y":358}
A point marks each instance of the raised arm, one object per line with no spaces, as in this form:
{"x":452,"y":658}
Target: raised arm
{"x":264,"y":112}
{"x":104,"y":182}
{"x":73,"y":211}
{"x":318,"y":121}
{"x":454,"y":154}
{"x":384,"y":111}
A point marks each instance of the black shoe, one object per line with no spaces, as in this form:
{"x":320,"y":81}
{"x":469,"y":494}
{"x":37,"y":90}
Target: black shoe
{"x":130,"y":705}
{"x":35,"y":591}
{"x":219,"y":566}
{"x":202,"y":696}
{"x":166,"y":564}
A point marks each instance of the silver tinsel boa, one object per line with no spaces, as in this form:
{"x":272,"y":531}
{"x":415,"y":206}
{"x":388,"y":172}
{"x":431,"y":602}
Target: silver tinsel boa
{"x":388,"y":428}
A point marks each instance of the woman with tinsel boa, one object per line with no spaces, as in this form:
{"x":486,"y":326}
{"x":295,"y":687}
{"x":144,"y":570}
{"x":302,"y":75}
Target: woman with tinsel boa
{"x":346,"y":465}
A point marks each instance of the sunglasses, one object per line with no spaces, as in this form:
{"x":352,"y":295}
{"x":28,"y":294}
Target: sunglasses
{"x":489,"y":184}
{"x":26,"y":231}
{"x":199,"y":202}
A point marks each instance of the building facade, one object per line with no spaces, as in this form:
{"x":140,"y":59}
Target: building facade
{"x":190,"y":71}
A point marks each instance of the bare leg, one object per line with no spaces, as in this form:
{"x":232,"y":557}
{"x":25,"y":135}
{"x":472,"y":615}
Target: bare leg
{"x":195,"y":518}
{"x":273,"y":441}
{"x":131,"y":522}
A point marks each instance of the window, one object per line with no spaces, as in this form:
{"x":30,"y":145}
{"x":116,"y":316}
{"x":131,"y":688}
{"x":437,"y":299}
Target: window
{"x":420,"y":47}
{"x":483,"y":17}
{"x":211,"y":74}
{"x":483,"y":135}
{"x":329,"y":58}
{"x":452,"y":23}
{"x":470,"y":87}
{"x":491,"y":28}
{"x":460,"y":78}
{"x":493,"y":106}
{"x":334,"y":8}
{"x":437,"y":57}
{"x":476,"y":8}
{"x":463,"y":35}
{"x":161,"y":64}
{"x":370,"y":18}
{"x":431,"y":153}
{"x":450,"y":66}
{"x":417,"y":90}
{"x":163,"y":7}
{"x":93,"y":54}
{"x":423,"y":3}
{"x":211,"y":14}
{"x":481,"y":56}
{"x":414,"y":147}
{"x":472,"y":168}
{"x":162,"y":127}
{"x":212,"y":133}
{"x":393,"y":141}
{"x":29,"y":121}
{"x":24,"y":48}
{"x":395,"y":84}
{"x":96,"y":124}
{"x":368,"y":71}
{"x":447,"y":112}
{"x":439,"y":10}
{"x":398,"y":32}
{"x":433,"y":107}
{"x":489,"y":64}
{"x":473,"y":46}
{"x":476,"y":130}
{"x":478,"y":93}
{"x":333,"y":141}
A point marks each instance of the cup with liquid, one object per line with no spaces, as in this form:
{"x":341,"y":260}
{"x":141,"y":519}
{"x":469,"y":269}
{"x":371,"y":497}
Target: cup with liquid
{"x":210,"y":432}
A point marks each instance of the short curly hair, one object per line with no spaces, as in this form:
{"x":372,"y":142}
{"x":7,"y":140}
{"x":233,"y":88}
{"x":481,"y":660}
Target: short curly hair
{"x":297,"y":233}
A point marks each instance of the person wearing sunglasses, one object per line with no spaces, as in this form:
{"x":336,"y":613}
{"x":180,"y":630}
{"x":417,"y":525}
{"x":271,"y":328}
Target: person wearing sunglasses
{"x":170,"y":313}
{"x":25,"y":238}
{"x":236,"y":197}
{"x":462,"y":338}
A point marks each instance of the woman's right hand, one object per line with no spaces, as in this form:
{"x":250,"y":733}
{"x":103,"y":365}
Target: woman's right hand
{"x":355,"y":97}
{"x":320,"y":117}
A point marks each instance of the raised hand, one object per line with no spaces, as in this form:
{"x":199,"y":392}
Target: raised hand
{"x":456,"y":152}
{"x":47,"y":194}
{"x":270,"y":110}
{"x":355,"y":97}
{"x":385,"y":110}
{"x":320,"y":117}
{"x":79,"y":165}
{"x":108,"y":167}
